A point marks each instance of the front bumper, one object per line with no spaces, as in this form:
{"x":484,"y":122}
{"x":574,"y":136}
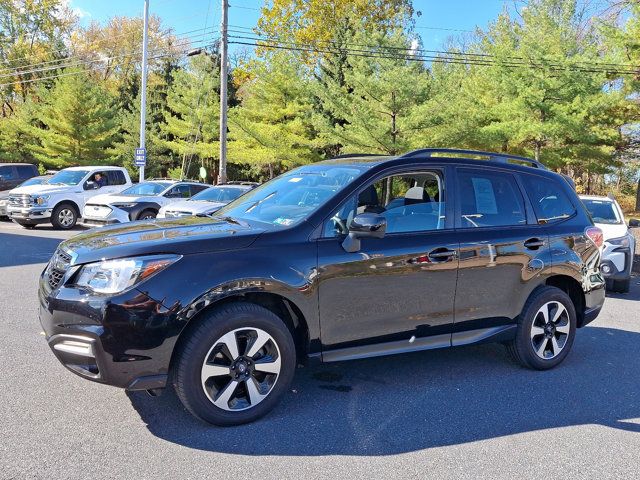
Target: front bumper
{"x":32,"y":215}
{"x":124,"y":341}
{"x":616,"y":262}
{"x":115,"y":216}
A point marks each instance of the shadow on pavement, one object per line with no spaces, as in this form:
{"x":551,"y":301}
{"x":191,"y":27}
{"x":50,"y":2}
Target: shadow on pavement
{"x":18,"y":249}
{"x":404,"y":403}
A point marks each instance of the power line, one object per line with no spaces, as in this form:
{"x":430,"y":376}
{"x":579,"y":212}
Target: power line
{"x":79,"y":72}
{"x":591,"y":63}
{"x":416,"y":58}
{"x":480,"y":58}
{"x":59,"y":66}
{"x":39,"y":64}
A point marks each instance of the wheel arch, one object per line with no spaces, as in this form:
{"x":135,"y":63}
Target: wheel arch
{"x":573,"y":289}
{"x":282,"y":306}
{"x":72,"y":203}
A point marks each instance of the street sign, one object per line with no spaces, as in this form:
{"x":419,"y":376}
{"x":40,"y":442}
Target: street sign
{"x":141,"y":157}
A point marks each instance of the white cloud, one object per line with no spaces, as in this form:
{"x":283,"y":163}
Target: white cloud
{"x":79,"y":12}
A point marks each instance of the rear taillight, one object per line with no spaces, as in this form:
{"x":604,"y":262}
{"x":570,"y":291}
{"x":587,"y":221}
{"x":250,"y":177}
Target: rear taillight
{"x":595,"y":235}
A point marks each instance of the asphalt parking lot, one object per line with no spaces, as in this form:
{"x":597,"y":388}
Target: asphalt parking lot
{"x":463,"y":413}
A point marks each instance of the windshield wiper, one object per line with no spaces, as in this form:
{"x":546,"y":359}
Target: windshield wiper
{"x":224,"y":219}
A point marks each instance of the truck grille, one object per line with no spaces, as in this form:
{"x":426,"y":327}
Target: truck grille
{"x":58,"y":266}
{"x":20,"y":200}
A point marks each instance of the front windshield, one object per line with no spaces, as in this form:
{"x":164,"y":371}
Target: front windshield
{"x":292,"y":197}
{"x":219,"y":194}
{"x":603,"y":211}
{"x":68,"y":177}
{"x":145,"y":188}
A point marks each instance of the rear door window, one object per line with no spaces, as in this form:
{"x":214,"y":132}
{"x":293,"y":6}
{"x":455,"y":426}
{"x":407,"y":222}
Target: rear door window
{"x":116,"y":177}
{"x":26,"y":171}
{"x":550,"y":202}
{"x":489,"y":199}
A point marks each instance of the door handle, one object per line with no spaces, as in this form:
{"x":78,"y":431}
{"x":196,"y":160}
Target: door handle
{"x":534,"y":243}
{"x":441,"y":254}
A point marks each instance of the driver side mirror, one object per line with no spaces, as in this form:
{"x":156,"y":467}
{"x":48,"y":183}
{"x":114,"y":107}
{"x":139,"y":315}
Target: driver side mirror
{"x":365,"y":225}
{"x":634,"y":223}
{"x":90,"y":185}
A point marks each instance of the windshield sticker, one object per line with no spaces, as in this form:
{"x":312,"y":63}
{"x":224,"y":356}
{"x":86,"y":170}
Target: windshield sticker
{"x":283,"y":221}
{"x":295,"y":179}
{"x":485,"y":198}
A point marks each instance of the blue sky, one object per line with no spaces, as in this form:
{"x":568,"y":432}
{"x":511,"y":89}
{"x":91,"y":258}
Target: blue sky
{"x":439,"y":19}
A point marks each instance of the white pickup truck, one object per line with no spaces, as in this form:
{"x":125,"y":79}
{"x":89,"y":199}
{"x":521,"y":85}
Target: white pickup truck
{"x":64,"y":196}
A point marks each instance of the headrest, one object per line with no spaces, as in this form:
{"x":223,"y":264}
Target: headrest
{"x":415,"y":195}
{"x":369,"y":196}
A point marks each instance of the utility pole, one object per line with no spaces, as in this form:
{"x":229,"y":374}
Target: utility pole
{"x":224,"y":74}
{"x":143,"y":92}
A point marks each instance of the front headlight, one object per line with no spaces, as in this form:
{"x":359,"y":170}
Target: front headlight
{"x":115,"y":276}
{"x":621,"y":241}
{"x":40,"y":199}
{"x":124,"y":205}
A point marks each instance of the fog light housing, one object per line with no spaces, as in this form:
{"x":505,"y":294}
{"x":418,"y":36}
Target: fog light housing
{"x":606,"y":269}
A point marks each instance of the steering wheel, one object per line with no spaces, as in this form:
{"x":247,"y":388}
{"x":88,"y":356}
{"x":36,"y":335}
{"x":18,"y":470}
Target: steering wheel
{"x":340,"y":224}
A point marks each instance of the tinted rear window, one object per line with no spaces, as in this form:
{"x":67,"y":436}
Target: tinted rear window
{"x":489,"y":199}
{"x":549,"y":200}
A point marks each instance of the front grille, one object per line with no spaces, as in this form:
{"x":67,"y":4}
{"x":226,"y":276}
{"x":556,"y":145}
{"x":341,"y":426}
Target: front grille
{"x":20,"y":200}
{"x":58,"y":266}
{"x":99,"y":211}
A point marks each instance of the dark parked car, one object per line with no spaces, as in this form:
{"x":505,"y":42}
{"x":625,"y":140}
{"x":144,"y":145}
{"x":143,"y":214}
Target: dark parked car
{"x":12,"y":175}
{"x":345,"y":259}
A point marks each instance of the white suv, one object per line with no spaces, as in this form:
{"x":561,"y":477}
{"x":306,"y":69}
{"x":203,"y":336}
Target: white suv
{"x":64,"y":196}
{"x":139,"y":202}
{"x":619,"y":243}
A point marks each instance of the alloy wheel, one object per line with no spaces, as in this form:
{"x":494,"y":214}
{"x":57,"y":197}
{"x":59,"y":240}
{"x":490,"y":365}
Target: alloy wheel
{"x":550,"y":330}
{"x":241,"y":369}
{"x":66,"y":217}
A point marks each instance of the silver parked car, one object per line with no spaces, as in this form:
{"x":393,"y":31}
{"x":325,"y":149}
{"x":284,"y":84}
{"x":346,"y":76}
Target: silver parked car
{"x":206,"y":202}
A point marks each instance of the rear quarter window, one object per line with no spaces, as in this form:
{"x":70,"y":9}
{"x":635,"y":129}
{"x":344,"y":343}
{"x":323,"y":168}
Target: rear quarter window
{"x":550,"y":202}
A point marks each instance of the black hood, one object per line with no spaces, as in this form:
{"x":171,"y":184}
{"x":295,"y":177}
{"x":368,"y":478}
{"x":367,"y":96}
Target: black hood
{"x":181,"y":236}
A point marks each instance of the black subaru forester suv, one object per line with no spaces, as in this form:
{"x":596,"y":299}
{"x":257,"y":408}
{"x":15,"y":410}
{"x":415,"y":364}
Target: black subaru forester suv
{"x":349,"y":258}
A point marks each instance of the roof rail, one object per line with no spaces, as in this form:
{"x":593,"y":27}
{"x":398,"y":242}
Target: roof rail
{"x":355,"y":155}
{"x":493,"y":156}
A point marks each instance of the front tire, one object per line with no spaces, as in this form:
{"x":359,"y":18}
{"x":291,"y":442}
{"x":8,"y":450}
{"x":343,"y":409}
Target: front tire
{"x":235,"y":364}
{"x":147,"y":215}
{"x":546,"y":329}
{"x":64,"y":216}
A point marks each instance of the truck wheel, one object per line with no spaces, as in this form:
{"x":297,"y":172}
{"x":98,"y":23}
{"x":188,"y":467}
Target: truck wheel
{"x":546,"y":329}
{"x":64,"y":216}
{"x":621,"y":286}
{"x":147,"y":215}
{"x":235,"y":364}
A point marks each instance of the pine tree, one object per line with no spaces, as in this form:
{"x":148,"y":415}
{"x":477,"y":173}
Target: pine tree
{"x":78,"y":123}
{"x":190,"y":127}
{"x":380,"y":99}
{"x":272,"y":126}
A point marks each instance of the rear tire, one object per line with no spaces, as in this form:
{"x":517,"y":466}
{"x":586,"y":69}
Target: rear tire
{"x":621,"y":286}
{"x":64,"y":216}
{"x":546,"y":329}
{"x":234,"y":365}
